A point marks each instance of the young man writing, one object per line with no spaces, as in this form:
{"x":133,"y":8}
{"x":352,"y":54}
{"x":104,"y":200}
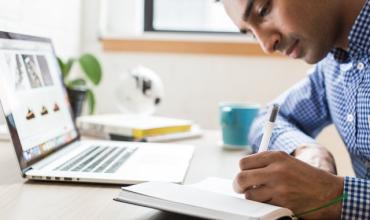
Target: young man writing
{"x":334,"y":35}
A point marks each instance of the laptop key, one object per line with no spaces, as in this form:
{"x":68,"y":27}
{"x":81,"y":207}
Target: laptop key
{"x":80,"y":166}
{"x":120,"y":161}
{"x":108,"y":162}
{"x":98,"y":161}
{"x":72,"y":162}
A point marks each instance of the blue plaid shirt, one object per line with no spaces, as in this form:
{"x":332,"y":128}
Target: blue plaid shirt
{"x":336,"y":91}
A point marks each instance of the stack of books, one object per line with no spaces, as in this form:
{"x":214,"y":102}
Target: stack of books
{"x":133,"y":127}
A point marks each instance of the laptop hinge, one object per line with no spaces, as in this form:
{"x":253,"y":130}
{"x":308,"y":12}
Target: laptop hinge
{"x":25,"y":171}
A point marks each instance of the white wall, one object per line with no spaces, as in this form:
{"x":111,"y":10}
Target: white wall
{"x":56,"y":19}
{"x":195,"y":84}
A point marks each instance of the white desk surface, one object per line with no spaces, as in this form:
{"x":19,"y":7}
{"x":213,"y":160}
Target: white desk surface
{"x":30,"y":200}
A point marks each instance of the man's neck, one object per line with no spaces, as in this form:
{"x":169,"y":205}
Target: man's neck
{"x":350,"y":11}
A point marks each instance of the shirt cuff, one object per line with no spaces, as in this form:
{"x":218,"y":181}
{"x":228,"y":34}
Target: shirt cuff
{"x":357,"y":204}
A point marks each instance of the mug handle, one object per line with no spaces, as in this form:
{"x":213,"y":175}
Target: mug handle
{"x":226,"y":116}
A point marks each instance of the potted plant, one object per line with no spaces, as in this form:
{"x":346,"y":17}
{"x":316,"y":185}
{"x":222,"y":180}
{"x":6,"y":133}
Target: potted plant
{"x":79,"y":89}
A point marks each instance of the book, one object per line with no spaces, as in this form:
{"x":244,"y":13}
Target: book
{"x":194,"y":132}
{"x":131,"y":125}
{"x":212,"y":198}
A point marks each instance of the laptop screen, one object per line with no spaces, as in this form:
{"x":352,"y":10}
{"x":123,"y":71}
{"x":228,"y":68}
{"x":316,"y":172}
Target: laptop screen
{"x":33,"y":97}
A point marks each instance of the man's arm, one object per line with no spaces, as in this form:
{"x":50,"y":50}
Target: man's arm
{"x":303,"y":114}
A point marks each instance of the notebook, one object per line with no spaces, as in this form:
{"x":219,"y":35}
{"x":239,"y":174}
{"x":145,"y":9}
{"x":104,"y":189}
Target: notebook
{"x":212,"y":198}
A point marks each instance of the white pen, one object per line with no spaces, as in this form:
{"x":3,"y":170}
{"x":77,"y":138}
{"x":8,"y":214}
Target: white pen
{"x":267,"y":130}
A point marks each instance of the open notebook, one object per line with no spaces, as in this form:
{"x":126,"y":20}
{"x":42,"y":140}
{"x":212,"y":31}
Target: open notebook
{"x":211,"y":198}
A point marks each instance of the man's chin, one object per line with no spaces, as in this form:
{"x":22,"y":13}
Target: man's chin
{"x":313,"y":58}
{"x":311,"y":61}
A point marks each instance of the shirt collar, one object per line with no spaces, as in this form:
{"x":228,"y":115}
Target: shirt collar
{"x":359,"y":43}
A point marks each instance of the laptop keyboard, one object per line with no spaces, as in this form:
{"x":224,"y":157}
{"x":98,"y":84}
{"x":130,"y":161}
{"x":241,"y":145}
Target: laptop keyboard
{"x":98,"y":159}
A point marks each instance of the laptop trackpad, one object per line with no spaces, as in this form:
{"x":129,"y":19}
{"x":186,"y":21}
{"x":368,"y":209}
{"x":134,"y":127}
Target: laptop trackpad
{"x":158,"y":163}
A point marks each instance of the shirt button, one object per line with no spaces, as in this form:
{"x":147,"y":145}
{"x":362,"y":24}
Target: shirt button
{"x":350,"y":118}
{"x":360,"y":66}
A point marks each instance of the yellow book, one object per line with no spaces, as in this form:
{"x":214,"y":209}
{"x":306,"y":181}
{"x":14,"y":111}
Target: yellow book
{"x":131,"y":125}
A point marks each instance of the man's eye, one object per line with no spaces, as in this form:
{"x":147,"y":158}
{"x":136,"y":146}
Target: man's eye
{"x":265,"y":9}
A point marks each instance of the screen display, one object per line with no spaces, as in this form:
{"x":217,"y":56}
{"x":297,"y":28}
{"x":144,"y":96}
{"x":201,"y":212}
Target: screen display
{"x":33,"y":98}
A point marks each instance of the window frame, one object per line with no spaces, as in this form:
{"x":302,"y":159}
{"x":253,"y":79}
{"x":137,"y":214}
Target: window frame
{"x":149,"y":19}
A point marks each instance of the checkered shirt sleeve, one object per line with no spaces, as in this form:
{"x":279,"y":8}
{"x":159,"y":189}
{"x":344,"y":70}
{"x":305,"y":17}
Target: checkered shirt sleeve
{"x":357,"y":205}
{"x":303,"y":114}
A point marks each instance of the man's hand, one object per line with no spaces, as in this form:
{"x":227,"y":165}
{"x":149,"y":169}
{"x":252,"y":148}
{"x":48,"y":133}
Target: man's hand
{"x":316,"y":156}
{"x":280,"y":179}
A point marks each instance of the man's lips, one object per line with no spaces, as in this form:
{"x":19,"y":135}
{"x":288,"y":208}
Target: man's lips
{"x":293,"y":50}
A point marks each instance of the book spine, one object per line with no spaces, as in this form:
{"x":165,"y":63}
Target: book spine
{"x":141,"y":133}
{"x":137,"y":133}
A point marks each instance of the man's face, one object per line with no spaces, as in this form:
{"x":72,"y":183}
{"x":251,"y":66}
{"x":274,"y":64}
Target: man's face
{"x":299,"y":29}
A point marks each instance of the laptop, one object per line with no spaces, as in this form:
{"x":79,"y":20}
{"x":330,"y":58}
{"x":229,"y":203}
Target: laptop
{"x":45,"y":139}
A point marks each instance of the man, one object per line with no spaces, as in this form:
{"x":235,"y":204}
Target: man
{"x":334,"y":35}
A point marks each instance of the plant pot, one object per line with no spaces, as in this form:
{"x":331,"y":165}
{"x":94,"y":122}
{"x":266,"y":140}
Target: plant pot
{"x":77,"y":97}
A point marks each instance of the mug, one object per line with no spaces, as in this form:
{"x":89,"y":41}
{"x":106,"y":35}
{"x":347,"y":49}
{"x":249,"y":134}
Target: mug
{"x":236,"y":120}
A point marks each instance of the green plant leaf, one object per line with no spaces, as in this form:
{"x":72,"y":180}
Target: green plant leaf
{"x":62,"y":67}
{"x":91,"y":101}
{"x":65,"y":67}
{"x":76,"y":83}
{"x":68,"y":66}
{"x":91,"y":67}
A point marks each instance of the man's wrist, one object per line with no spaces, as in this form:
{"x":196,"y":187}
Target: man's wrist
{"x":334,"y":211}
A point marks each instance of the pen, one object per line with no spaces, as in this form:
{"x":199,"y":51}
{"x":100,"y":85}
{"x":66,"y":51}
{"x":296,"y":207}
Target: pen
{"x":267,"y":131}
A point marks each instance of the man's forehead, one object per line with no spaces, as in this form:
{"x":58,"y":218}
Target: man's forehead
{"x":238,"y":9}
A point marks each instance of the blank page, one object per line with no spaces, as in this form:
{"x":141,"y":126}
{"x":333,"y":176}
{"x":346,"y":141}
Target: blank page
{"x":195,"y":196}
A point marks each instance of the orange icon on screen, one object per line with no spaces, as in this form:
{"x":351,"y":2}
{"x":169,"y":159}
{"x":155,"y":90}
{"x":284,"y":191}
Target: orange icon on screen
{"x":30,"y":115}
{"x":56,"y":107}
{"x":44,"y":111}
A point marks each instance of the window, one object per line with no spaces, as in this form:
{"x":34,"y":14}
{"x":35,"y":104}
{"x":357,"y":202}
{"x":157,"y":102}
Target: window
{"x":196,"y":16}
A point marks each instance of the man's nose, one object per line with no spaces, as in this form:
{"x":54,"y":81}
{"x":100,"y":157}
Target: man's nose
{"x":269,"y":42}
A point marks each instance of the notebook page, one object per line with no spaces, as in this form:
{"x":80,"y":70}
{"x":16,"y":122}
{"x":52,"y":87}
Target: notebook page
{"x":206,"y":199}
{"x":218,"y":185}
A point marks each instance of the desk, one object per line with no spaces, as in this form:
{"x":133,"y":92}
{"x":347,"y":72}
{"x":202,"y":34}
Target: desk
{"x":30,"y":200}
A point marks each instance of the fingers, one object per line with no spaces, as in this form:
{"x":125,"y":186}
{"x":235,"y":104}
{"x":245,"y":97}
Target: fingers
{"x":259,"y":194}
{"x":254,"y":171}
{"x":261,"y":160}
{"x":248,"y":179}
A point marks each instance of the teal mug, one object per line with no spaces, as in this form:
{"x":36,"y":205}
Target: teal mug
{"x":236,"y":120}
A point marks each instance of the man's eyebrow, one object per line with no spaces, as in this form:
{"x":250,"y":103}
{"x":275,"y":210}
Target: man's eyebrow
{"x":248,"y":10}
